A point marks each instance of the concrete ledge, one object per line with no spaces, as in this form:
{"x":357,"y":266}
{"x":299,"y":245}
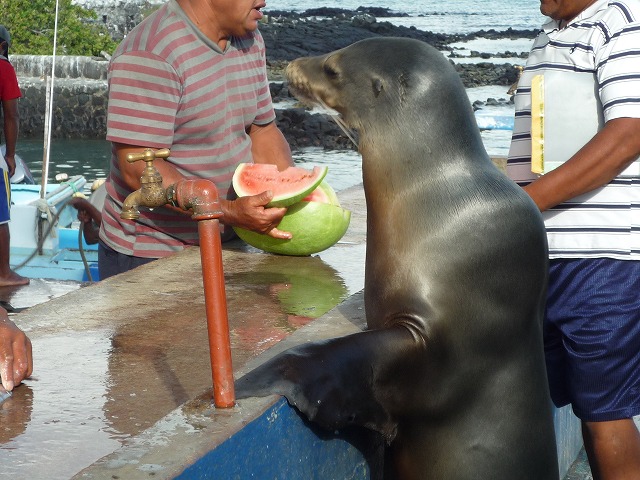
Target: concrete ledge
{"x":197,"y":441}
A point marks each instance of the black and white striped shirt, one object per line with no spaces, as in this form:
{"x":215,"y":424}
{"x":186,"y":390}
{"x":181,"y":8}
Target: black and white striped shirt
{"x":604,"y":40}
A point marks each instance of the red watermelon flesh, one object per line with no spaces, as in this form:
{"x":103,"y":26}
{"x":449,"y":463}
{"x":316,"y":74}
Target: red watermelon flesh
{"x":288,"y":186}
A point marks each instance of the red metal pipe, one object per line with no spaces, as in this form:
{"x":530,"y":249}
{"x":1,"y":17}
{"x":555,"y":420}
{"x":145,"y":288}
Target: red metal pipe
{"x":202,"y":197}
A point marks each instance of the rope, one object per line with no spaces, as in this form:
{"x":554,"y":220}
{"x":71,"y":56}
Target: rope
{"x":52,"y":219}
{"x":49,"y":116}
{"x":87,"y":269}
{"x":72,"y":186}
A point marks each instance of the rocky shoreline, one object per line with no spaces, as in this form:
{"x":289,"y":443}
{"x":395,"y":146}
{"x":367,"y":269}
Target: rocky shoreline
{"x":290,"y":35}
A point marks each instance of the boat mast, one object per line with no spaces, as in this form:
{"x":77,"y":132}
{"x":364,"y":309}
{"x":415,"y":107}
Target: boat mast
{"x":48,"y":118}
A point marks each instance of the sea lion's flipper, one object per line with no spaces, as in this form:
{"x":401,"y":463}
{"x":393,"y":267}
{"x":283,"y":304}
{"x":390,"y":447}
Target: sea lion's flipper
{"x":339,"y":382}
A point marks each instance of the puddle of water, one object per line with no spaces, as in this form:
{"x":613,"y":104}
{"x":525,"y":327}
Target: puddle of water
{"x":283,"y":294}
{"x":15,"y":299}
{"x":60,"y":408}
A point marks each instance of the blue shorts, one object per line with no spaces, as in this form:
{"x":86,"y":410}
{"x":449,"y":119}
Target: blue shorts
{"x":111,"y":262}
{"x":5,"y":197}
{"x":592,"y":337}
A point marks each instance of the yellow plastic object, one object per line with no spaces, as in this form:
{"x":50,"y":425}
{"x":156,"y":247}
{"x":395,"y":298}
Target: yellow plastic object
{"x":537,"y":124}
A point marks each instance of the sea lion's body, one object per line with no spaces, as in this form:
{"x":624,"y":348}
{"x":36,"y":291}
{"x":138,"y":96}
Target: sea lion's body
{"x":451,"y":369}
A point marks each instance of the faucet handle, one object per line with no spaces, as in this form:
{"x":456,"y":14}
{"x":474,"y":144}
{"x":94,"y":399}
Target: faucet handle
{"x":148,"y":155}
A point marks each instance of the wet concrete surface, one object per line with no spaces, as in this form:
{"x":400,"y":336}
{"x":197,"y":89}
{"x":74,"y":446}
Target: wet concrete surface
{"x":17,"y":299}
{"x":114,"y":358}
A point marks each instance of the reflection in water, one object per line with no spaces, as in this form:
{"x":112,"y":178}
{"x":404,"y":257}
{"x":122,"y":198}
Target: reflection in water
{"x":155,"y":366}
{"x":290,"y":290}
{"x":349,"y":262}
{"x":15,"y":413}
{"x":57,"y":410}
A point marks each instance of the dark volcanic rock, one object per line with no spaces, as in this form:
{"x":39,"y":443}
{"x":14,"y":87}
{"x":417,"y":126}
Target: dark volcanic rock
{"x":290,"y":35}
{"x":304,"y":129}
{"x":486,"y":73}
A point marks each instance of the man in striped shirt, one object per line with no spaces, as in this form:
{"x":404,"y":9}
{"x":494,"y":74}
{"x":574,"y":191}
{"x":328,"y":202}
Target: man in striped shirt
{"x":191,"y":77}
{"x":591,"y":207}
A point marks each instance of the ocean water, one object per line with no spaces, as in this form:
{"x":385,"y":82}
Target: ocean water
{"x":455,"y":16}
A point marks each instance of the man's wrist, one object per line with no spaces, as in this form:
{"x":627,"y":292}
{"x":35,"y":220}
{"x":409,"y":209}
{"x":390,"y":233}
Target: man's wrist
{"x":226,"y":207}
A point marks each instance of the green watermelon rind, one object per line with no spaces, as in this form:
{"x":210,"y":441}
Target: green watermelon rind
{"x":314,"y":226}
{"x":284,"y":200}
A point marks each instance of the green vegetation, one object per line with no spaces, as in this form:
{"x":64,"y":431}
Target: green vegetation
{"x":31,"y":25}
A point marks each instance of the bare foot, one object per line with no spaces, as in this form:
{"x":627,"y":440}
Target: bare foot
{"x":13,"y":279}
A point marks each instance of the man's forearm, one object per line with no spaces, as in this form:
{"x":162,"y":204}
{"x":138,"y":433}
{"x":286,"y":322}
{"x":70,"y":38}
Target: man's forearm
{"x":592,"y":167}
{"x":11,"y":125}
{"x":268,"y":145}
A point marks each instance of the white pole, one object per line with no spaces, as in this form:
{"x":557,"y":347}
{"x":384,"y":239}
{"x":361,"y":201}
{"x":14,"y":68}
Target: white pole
{"x":49,"y":114}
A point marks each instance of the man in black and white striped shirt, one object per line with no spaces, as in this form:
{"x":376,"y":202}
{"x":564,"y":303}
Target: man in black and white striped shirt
{"x":591,"y":206}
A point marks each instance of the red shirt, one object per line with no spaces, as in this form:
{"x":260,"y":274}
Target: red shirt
{"x":9,"y":88}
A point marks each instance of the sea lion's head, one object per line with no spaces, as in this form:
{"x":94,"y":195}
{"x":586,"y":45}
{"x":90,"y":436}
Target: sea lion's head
{"x":377,"y":81}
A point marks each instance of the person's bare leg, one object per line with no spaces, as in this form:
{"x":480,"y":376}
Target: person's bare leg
{"x":613,"y":449}
{"x":7,"y":276}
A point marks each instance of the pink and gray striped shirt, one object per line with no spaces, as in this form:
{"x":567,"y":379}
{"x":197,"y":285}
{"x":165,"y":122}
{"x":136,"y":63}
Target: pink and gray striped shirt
{"x":172,"y":87}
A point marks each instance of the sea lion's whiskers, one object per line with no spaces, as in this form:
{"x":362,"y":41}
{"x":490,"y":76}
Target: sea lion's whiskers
{"x":335,"y":116}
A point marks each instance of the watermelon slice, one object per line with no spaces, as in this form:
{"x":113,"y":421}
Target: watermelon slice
{"x":288,"y":186}
{"x":315,"y":227}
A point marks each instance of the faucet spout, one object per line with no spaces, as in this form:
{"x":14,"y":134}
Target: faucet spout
{"x":150,"y":194}
{"x":130,"y":206}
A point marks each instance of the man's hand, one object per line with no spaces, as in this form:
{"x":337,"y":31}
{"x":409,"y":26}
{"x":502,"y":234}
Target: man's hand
{"x":80,"y":204}
{"x":16,"y":361}
{"x":11,"y":164}
{"x":251,"y":213}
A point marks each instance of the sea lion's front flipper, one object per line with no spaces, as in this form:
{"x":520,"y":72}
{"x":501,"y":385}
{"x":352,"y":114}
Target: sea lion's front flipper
{"x":339,"y":382}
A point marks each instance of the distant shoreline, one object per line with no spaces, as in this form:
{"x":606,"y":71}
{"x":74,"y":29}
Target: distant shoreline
{"x":289,"y":35}
{"x":81,"y":102}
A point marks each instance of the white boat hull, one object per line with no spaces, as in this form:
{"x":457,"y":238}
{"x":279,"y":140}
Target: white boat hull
{"x":59,"y":255}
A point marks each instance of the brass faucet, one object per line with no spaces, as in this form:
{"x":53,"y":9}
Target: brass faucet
{"x":151,"y":193}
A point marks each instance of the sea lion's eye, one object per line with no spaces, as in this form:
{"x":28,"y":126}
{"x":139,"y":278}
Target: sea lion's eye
{"x":329,"y":71}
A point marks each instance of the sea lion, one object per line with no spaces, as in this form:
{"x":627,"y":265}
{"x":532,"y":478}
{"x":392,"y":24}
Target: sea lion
{"x":451,"y":368}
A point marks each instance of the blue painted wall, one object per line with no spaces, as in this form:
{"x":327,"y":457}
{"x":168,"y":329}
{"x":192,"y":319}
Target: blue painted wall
{"x":281,"y":445}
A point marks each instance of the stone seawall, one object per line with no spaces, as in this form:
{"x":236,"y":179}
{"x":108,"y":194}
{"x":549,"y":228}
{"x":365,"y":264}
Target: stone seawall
{"x":80,"y":104}
{"x":80,"y":95}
